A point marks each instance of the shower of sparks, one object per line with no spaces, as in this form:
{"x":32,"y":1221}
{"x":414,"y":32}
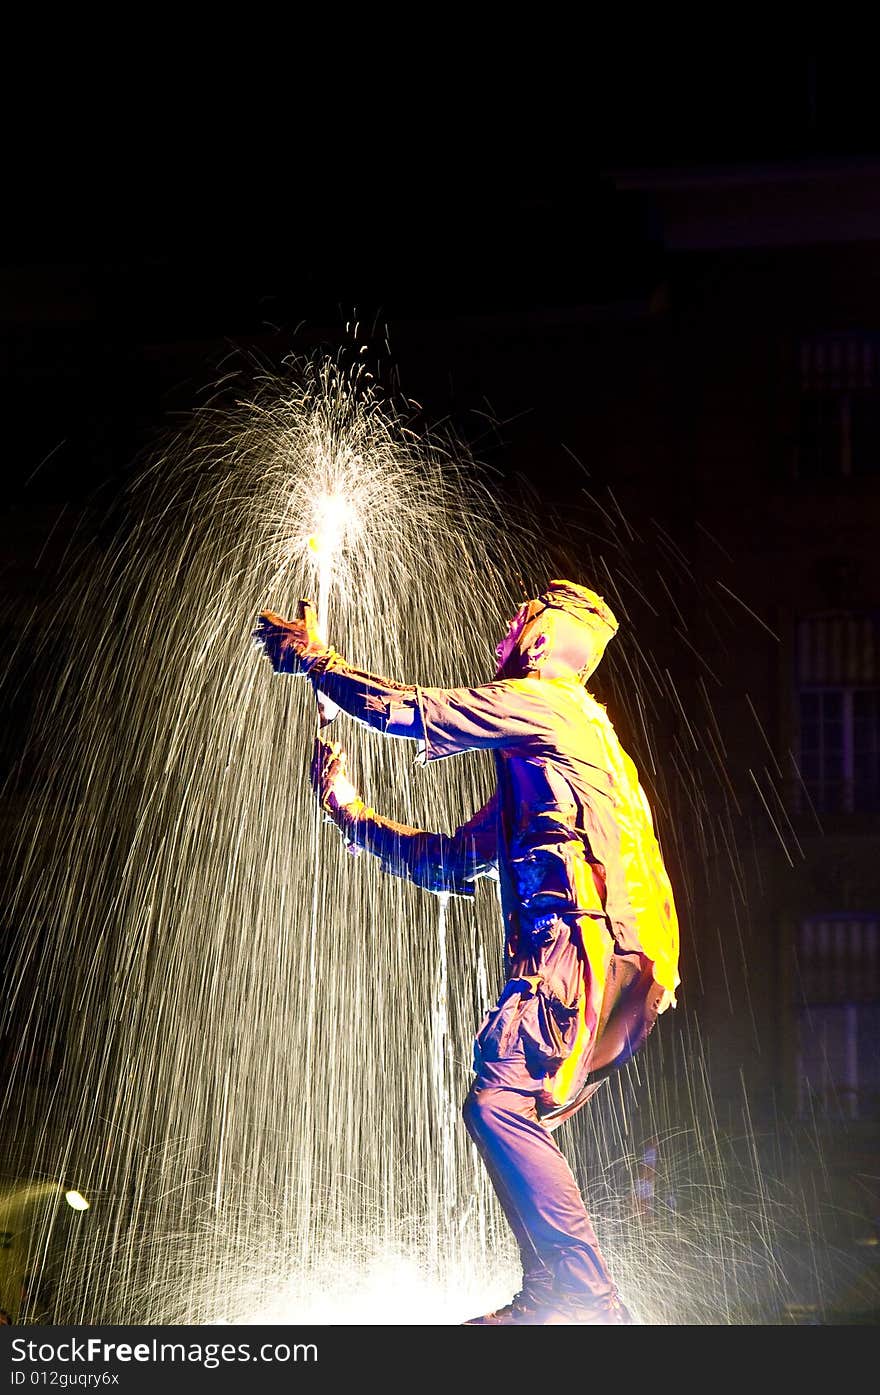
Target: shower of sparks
{"x":255,"y":1065}
{"x":249,"y":1048}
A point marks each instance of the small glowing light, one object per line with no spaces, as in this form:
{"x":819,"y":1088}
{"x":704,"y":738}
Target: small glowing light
{"x":76,"y":1200}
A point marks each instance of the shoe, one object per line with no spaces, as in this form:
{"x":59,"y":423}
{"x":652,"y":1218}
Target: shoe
{"x":526,"y":1308}
{"x":573,"y":1310}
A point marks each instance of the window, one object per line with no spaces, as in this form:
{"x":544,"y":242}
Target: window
{"x":838,"y":1005}
{"x":839,"y":427}
{"x":838,"y":680}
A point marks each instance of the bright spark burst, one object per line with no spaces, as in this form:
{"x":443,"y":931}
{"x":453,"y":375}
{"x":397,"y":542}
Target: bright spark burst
{"x":228,"y":1021}
{"x":335,"y":523}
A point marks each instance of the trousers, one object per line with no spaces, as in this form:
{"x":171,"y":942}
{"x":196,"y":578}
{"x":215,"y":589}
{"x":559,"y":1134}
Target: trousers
{"x":532,"y":1180}
{"x":537,"y":1191}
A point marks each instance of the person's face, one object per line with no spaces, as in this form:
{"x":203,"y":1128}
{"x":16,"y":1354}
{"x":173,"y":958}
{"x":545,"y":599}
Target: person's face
{"x":504,"y":650}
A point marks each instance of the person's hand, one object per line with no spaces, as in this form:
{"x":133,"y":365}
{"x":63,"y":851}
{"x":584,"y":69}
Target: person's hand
{"x":329,"y":776}
{"x":290,"y":645}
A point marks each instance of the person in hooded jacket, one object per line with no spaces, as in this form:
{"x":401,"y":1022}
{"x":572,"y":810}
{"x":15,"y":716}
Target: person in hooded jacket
{"x":590,"y":927}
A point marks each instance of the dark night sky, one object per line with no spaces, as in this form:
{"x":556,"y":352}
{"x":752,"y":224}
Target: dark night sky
{"x":138,"y":252}
{"x":492,"y":195}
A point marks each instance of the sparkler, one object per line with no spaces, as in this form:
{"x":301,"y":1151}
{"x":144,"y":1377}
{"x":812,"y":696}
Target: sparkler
{"x":335,"y":520}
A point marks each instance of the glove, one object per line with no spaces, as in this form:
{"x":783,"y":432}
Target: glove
{"x":329,"y":777}
{"x":291,"y":646}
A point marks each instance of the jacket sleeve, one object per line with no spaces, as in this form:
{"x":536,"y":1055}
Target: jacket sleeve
{"x":437,"y":862}
{"x":505,"y":714}
{"x":385,"y":706}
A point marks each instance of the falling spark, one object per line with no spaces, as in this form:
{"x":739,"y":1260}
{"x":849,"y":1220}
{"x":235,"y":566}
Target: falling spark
{"x":739,"y":600}
{"x":776,"y":827}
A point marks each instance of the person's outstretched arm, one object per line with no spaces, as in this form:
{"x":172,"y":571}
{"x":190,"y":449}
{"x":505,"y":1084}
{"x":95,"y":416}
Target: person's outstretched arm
{"x":295,"y":646}
{"x":496,"y":715}
{"x":437,"y":862}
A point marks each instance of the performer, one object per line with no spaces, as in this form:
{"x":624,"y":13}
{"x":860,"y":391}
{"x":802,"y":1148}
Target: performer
{"x":591,"y":934}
